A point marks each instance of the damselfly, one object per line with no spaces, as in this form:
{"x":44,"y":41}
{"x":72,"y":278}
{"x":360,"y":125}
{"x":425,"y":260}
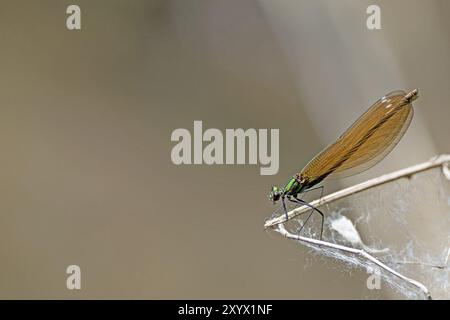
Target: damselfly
{"x":366,"y":142}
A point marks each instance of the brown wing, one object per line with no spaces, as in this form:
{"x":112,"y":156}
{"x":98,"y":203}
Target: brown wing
{"x":366,"y":142}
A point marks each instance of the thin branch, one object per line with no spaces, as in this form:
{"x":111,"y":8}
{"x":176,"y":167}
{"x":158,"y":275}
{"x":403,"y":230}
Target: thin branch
{"x":437,"y":161}
{"x":282,"y":230}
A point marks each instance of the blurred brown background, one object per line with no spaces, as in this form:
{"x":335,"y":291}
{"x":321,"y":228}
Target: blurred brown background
{"x":86,"y":117}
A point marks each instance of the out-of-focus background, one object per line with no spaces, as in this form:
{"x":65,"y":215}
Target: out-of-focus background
{"x":86,"y":118}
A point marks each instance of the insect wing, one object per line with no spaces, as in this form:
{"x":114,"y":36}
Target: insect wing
{"x":370,"y":138}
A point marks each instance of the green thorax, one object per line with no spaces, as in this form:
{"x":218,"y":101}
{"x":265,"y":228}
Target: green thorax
{"x":293,"y":187}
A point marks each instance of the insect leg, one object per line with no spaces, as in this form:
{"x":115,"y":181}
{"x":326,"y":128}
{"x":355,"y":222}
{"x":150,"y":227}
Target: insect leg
{"x":300,"y":201}
{"x":321,"y":192}
{"x":306,"y":221}
{"x":311,"y":189}
{"x":284,"y":208}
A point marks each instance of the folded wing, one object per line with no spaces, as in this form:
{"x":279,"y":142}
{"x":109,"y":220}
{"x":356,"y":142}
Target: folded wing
{"x":366,"y":142}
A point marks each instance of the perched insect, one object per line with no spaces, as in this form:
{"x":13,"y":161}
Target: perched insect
{"x":368,"y":140}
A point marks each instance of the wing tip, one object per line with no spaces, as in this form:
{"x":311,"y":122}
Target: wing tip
{"x":412,"y":95}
